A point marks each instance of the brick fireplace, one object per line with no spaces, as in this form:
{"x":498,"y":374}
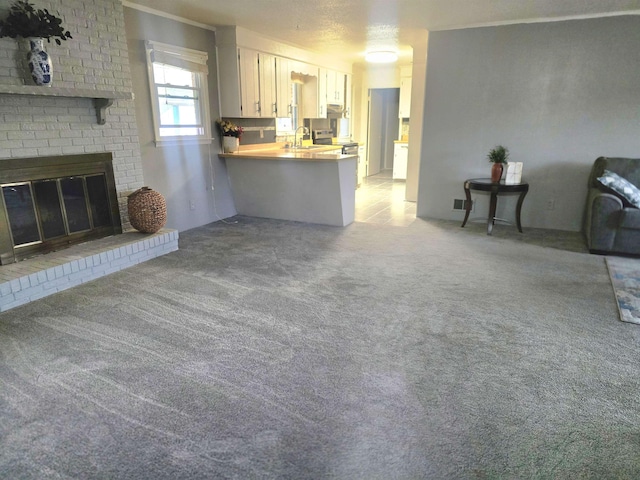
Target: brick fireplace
{"x":88,"y":110}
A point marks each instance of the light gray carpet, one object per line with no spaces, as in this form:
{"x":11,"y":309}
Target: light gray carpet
{"x":269,"y":349}
{"x":625,"y":278}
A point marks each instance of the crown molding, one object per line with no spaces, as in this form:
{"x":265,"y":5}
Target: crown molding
{"x":168,"y":16}
{"x":537,"y":20}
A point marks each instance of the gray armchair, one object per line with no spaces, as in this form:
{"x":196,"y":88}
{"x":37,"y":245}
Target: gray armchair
{"x":611,"y":224}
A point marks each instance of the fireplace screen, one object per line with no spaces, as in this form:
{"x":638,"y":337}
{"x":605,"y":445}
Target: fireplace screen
{"x":59,"y":207}
{"x":44,"y":214}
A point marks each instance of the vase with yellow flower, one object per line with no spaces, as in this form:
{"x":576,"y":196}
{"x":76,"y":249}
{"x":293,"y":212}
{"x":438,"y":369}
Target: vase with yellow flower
{"x":231,"y":134}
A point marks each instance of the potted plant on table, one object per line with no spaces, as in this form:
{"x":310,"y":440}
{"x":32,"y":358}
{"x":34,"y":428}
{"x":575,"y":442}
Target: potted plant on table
{"x":34,"y":25}
{"x":498,"y":157}
{"x":231,"y":134}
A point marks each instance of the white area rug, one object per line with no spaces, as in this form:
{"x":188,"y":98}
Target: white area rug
{"x":625,"y":278}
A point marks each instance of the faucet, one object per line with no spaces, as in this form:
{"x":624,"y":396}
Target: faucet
{"x":305,"y":131}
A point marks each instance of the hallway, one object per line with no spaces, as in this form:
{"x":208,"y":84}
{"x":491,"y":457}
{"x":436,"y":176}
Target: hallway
{"x":381,"y":200}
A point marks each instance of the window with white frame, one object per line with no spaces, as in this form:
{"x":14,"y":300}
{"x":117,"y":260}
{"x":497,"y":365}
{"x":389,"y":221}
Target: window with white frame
{"x":178,"y":84}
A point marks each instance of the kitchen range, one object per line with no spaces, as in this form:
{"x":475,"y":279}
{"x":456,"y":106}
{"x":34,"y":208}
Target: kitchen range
{"x":335,"y":122}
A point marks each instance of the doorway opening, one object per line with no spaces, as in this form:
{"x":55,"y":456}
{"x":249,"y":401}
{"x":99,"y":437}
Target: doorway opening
{"x":381,"y":198}
{"x":384,"y":105}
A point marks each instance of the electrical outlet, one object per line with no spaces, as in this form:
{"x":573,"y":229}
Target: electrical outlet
{"x":192,"y":205}
{"x":551,"y":204}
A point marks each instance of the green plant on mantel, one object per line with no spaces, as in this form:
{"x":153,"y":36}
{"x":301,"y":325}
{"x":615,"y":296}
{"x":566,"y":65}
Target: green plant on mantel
{"x":25,"y":21}
{"x":499,"y":154}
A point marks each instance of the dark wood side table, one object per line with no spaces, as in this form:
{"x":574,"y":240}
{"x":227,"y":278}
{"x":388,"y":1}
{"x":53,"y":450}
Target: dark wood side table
{"x":486,"y":185}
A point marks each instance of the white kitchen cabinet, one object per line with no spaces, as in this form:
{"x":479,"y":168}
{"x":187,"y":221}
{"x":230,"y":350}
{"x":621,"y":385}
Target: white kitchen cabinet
{"x":400,"y":158}
{"x":249,"y":82}
{"x":335,"y":87}
{"x":283,"y":87}
{"x":331,"y":90}
{"x":252,"y":92}
{"x":340,"y":88}
{"x":322,"y":92}
{"x":331,"y":87}
{"x":405,"y":97}
{"x":268,"y":85}
{"x":257,"y":84}
{"x":347,"y":96}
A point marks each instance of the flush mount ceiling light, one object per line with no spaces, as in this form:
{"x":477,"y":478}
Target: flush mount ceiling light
{"x":381,"y":56}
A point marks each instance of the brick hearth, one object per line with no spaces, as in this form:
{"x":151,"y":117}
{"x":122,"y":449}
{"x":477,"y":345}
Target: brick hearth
{"x":38,"y":277}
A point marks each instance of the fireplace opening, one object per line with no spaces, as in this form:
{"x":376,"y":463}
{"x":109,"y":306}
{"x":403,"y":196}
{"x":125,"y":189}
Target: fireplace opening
{"x":48,"y":203}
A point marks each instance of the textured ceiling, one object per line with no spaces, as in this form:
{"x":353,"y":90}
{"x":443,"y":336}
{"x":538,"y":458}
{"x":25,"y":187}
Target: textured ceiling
{"x":347,"y":28}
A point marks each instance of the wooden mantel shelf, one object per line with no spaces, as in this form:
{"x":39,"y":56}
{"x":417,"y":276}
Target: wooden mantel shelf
{"x":102,"y":99}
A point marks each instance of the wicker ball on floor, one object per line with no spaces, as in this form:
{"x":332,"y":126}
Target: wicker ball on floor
{"x":147,"y":210}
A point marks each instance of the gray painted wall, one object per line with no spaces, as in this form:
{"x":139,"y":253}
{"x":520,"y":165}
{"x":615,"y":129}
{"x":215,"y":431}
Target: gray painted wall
{"x":184,"y":174}
{"x":558,"y":95}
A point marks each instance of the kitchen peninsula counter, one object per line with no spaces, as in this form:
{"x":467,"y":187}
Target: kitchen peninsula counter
{"x":306,"y":185}
{"x":277,"y":152}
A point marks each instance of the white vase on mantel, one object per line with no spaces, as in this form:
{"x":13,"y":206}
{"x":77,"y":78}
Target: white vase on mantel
{"x":39,"y":62}
{"x":230,"y":144}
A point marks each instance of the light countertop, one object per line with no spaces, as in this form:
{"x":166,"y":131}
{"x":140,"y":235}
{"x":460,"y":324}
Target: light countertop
{"x":276,"y":151}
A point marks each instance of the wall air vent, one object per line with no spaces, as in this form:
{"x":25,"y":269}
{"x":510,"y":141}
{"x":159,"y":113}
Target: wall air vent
{"x":461,"y":204}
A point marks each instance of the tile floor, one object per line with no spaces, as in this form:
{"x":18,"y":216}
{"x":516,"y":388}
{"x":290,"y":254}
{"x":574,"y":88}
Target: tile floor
{"x":380,"y":200}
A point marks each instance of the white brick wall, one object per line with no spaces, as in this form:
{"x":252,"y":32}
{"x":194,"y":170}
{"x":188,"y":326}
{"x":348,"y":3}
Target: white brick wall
{"x":96,"y":58}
